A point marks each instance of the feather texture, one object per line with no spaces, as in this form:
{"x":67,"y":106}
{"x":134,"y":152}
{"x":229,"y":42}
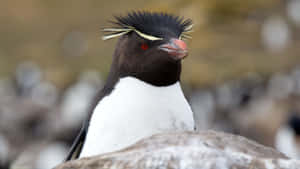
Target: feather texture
{"x":151,"y":26}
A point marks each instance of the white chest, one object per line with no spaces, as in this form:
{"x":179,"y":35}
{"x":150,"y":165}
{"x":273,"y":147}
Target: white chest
{"x":135,"y":110}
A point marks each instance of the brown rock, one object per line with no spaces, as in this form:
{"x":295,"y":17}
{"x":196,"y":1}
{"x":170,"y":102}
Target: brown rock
{"x":189,"y":150}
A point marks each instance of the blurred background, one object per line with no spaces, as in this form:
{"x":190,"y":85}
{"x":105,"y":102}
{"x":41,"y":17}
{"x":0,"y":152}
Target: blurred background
{"x":242,"y":75}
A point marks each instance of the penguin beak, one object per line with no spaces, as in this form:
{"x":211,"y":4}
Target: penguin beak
{"x":175,"y":48}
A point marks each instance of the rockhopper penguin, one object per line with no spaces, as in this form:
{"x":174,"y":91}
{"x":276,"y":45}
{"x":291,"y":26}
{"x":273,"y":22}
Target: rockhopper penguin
{"x":142,"y":95}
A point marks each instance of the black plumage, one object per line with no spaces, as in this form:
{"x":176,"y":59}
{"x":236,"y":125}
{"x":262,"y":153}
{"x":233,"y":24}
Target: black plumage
{"x":155,"y":24}
{"x":294,"y":123}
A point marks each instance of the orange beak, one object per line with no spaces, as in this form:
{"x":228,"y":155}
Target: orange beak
{"x":176,"y":48}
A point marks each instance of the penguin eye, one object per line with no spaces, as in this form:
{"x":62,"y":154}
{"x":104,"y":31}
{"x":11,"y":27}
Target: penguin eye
{"x":144,"y":46}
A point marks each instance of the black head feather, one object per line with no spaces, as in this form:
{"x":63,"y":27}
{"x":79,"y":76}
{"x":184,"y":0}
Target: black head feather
{"x":155,"y":24}
{"x":152,"y":65}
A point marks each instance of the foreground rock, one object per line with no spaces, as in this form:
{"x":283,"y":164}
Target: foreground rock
{"x":202,"y":150}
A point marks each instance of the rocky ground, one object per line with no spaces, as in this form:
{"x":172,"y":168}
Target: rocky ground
{"x":200,"y":150}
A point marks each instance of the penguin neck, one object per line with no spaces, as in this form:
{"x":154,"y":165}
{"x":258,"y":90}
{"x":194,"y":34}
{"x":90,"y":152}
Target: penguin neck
{"x":160,"y":73}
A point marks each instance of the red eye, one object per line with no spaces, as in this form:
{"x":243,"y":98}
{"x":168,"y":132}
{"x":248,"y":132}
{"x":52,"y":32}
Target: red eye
{"x":144,"y":46}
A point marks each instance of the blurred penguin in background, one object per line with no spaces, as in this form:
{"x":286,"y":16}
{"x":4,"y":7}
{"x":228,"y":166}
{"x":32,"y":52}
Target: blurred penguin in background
{"x":288,"y":137}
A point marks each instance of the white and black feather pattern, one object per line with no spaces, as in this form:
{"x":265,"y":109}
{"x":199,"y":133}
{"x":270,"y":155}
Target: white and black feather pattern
{"x":135,"y":110}
{"x":154,"y":73}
